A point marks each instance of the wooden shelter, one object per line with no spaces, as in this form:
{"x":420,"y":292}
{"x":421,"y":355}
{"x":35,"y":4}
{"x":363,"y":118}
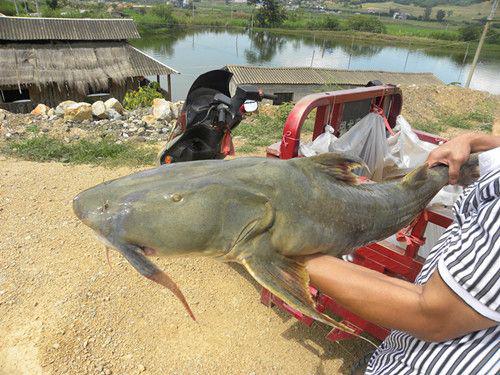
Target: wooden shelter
{"x":293,"y":83}
{"x":48,"y":60}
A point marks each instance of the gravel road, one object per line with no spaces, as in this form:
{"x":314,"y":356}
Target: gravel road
{"x":64,"y":311}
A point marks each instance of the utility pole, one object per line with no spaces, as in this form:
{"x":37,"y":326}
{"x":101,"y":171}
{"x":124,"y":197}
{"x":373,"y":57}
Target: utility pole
{"x":17,"y":8}
{"x":481,"y":41}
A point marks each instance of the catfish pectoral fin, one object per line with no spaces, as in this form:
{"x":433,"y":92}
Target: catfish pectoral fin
{"x":162,"y":278}
{"x":288,"y":280}
{"x":147,"y":268}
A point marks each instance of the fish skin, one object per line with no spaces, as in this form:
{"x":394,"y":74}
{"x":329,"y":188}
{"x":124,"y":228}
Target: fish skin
{"x":256,"y":211}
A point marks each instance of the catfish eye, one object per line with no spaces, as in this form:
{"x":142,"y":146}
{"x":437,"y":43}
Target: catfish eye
{"x":176,"y":197}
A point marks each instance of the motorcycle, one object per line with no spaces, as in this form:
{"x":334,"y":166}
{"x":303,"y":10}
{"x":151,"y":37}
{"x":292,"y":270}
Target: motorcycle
{"x":209,"y":114}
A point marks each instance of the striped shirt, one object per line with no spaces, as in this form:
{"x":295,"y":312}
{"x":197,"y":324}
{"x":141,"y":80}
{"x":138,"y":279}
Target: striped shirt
{"x":467,"y":259}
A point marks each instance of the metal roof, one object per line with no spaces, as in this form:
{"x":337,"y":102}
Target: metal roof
{"x":323,"y":76}
{"x":75,"y":63}
{"x":31,"y":29}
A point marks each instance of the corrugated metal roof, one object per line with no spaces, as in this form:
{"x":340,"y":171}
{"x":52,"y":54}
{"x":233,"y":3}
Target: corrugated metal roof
{"x":27,"y":28}
{"x":324,"y":76}
{"x":74,"y":63}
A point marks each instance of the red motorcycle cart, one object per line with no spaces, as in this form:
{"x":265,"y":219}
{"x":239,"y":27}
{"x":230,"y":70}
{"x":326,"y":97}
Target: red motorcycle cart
{"x":337,"y":109}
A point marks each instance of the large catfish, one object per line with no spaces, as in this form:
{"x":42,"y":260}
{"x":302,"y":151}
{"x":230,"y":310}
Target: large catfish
{"x":259,"y":212}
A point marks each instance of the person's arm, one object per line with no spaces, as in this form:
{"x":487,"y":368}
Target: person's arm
{"x":431,"y":312}
{"x":457,"y":150}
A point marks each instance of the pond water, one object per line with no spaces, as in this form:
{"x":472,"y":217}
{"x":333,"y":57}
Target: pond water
{"x":196,"y":51}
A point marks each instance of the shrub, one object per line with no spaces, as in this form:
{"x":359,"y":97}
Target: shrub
{"x":143,"y":97}
{"x":366,"y":23}
{"x":470,"y":32}
{"x":7,"y":7}
{"x":331,"y":23}
{"x":164,"y":12}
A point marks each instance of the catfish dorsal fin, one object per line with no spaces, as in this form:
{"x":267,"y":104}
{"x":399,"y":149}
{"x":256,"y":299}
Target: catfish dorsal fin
{"x":340,"y":166}
{"x":415,"y":178}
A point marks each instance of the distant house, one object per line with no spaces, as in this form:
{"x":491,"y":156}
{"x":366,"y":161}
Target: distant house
{"x":400,"y":16}
{"x":292,"y":83}
{"x":48,"y":60}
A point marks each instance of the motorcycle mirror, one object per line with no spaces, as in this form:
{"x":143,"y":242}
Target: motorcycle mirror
{"x":250,"y":105}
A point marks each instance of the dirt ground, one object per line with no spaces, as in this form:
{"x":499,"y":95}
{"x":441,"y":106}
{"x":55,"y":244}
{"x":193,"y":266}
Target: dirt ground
{"x":63,"y":311}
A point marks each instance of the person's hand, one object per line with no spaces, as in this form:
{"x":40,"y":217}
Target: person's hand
{"x":453,"y":153}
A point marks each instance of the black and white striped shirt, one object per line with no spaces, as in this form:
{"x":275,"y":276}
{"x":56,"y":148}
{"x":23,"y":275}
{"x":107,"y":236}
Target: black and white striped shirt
{"x":467,"y":259}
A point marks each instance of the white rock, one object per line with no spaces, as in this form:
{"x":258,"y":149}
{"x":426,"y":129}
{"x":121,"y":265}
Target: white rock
{"x":78,"y":112}
{"x":114,"y":115}
{"x":114,"y":104}
{"x":99,"y":110}
{"x":62,"y":106}
{"x":149,"y":119}
{"x":175,"y":110}
{"x":161,"y":109}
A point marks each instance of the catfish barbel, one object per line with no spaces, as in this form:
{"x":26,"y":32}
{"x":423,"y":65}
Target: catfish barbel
{"x":262,"y":213}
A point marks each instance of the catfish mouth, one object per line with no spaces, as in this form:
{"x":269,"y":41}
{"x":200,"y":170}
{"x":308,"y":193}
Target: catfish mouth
{"x":136,"y":256}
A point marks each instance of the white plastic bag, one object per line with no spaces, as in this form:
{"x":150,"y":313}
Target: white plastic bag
{"x":406,"y":150}
{"x":367,"y":140}
{"x":320,"y":145}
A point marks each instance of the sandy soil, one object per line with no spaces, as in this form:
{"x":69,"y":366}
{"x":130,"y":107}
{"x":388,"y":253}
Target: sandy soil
{"x":63,"y":311}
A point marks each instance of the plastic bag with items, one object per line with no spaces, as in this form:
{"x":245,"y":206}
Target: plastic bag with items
{"x":366,"y":139}
{"x":386,"y":157}
{"x":405,"y":148}
{"x":320,"y":145}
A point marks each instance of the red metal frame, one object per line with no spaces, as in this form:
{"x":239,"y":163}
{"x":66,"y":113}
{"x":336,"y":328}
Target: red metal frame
{"x":329,"y":110}
{"x":382,"y":256}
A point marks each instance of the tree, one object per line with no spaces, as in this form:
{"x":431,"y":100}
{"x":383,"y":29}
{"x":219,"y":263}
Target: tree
{"x":440,"y":14}
{"x":52,"y":4}
{"x":271,"y":13}
{"x":427,"y":13}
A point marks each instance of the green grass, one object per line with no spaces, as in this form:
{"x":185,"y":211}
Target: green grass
{"x":32,"y":128}
{"x":104,"y":152}
{"x":402,"y":29}
{"x":480,"y":119}
{"x":263,"y":129}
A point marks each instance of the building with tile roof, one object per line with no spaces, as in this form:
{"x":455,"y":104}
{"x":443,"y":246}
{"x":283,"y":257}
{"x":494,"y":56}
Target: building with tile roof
{"x":48,"y":60}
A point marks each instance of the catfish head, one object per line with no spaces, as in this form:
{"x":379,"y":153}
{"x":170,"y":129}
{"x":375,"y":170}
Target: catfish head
{"x":179,"y":209}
